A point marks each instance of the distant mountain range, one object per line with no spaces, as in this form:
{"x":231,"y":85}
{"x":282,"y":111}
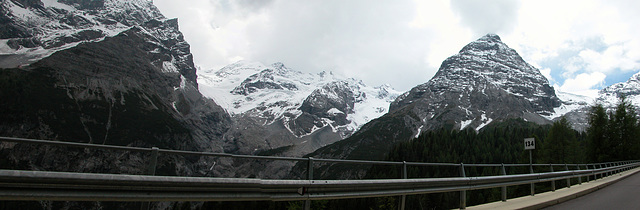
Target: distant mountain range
{"x":307,"y":109}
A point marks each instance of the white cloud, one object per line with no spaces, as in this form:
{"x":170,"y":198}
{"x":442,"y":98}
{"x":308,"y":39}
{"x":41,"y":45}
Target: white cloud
{"x":584,"y":84}
{"x":487,"y":16}
{"x":614,"y":57}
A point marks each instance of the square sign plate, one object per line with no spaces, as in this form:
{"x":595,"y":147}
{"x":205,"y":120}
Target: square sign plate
{"x":529,"y":143}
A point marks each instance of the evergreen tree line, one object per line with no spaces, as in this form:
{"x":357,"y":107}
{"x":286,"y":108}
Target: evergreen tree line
{"x":613,"y":135}
{"x":497,"y":143}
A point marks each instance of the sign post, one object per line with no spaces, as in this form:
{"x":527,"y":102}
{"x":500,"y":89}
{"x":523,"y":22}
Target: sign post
{"x":530,"y":144}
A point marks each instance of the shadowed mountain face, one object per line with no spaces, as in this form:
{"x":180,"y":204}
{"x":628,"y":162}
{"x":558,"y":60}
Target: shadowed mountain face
{"x":485,"y":82}
{"x":135,"y":88}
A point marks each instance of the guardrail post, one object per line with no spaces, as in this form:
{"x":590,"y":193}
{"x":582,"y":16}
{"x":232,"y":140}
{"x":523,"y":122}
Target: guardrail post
{"x":307,"y":203}
{"x":553,"y":182}
{"x":579,"y":177}
{"x":587,"y":167}
{"x":599,"y":167}
{"x":151,"y":168}
{"x":566,"y":168}
{"x":463,"y":193}
{"x":533,"y":187}
{"x":619,"y":170}
{"x":403,"y":199}
{"x":504,"y":188}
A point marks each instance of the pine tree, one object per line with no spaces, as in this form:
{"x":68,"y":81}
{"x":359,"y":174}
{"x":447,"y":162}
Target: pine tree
{"x":597,"y":134}
{"x":561,"y":143}
{"x":625,"y":129}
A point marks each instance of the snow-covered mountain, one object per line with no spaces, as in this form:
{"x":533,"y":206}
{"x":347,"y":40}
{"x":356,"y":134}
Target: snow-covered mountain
{"x":485,"y":81}
{"x":34,"y":29}
{"x":577,"y":113}
{"x":303,"y":102}
{"x":630,"y":89}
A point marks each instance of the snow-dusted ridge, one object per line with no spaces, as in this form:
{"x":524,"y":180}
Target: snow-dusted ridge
{"x":630,"y":89}
{"x":277,"y":93}
{"x":41,"y":28}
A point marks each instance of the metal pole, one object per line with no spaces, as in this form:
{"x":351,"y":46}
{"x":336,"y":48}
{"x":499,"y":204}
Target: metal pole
{"x":566,"y":168}
{"x":533,"y":192}
{"x":553,"y":182}
{"x":151,"y":170}
{"x":307,"y":203}
{"x":504,"y":188}
{"x":463,"y":193}
{"x":599,"y":167}
{"x":403,"y":199}
{"x":587,"y":167}
{"x":579,"y":177}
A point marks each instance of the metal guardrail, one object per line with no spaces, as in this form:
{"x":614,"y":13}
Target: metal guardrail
{"x":66,"y":186}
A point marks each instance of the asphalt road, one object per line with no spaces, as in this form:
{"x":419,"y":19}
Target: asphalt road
{"x":624,"y":194}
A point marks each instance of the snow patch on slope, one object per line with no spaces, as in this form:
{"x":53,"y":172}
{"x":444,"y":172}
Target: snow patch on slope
{"x":570,"y":102}
{"x":485,"y":122}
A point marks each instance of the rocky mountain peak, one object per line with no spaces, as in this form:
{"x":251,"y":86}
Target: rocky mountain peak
{"x":490,"y":38}
{"x":489,"y":44}
{"x":486,"y":80}
{"x":279,"y":66}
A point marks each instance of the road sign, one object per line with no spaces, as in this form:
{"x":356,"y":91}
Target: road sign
{"x":529,"y":143}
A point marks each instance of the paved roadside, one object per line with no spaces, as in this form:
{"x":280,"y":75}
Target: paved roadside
{"x":547,"y":199}
{"x":620,"y":195}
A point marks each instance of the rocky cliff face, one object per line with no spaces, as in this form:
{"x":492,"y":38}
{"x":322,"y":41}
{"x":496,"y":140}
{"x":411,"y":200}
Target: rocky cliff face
{"x":35,"y":29}
{"x":136,"y":87}
{"x":485,"y":82}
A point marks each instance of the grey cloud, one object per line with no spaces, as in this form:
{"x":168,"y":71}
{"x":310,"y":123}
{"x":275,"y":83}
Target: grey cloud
{"x":365,"y":39}
{"x":482,"y":16}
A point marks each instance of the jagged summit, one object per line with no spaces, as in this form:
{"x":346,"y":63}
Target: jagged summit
{"x":486,"y":80}
{"x":483,"y":72}
{"x":490,"y":37}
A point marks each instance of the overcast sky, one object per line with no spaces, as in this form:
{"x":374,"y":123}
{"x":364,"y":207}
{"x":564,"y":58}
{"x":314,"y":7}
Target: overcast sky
{"x":580,"y":46}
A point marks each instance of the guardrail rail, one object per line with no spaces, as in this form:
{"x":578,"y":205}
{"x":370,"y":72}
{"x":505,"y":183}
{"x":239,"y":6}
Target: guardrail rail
{"x":69,"y":186}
